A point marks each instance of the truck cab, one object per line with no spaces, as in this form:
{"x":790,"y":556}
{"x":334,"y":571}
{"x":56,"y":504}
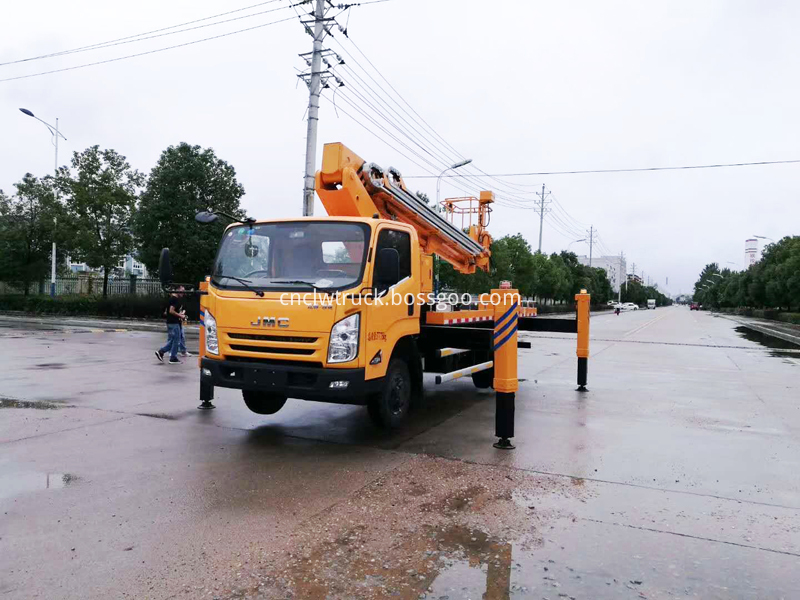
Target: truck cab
{"x":314,"y":309}
{"x":651,"y":303}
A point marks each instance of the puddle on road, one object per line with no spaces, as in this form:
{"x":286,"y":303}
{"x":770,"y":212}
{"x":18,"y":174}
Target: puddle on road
{"x":13,"y":483}
{"x":6,"y":402}
{"x":778,"y":347}
{"x":430,"y":529}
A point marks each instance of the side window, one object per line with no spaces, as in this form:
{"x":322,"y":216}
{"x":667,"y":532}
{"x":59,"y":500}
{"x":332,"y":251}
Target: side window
{"x":400,"y":241}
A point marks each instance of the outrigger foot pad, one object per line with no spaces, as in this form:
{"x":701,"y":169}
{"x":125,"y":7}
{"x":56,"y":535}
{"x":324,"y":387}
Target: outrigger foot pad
{"x":206,"y":405}
{"x":503,"y":444}
{"x":581,"y":388}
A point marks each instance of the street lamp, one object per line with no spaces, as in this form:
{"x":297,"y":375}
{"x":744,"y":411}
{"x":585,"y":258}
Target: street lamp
{"x":452,"y":167}
{"x":718,"y":275}
{"x":575,"y":242}
{"x":55,"y":133}
{"x":763,"y":237}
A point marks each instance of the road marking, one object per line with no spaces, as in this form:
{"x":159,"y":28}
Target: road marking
{"x":656,"y":320}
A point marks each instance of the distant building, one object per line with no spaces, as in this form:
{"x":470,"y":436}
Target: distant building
{"x":750,"y":252}
{"x":128,"y":265}
{"x":615,"y":267}
{"x":634,"y":277}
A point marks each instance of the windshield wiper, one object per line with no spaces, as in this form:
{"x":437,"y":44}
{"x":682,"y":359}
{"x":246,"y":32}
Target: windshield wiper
{"x":301,"y":282}
{"x":244,"y":282}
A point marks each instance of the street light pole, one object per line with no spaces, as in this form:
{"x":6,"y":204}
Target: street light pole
{"x":452,"y":167}
{"x":575,"y":242}
{"x":55,"y":133}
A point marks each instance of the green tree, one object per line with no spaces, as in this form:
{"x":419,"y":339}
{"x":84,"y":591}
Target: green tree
{"x":101,"y":198}
{"x":186,"y":180}
{"x":28,"y":229}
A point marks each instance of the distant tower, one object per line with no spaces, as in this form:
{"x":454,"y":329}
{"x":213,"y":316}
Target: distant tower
{"x":750,"y":252}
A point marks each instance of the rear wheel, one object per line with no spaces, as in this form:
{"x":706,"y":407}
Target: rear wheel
{"x":389,"y":407}
{"x":263,"y":403}
{"x":483,"y":379}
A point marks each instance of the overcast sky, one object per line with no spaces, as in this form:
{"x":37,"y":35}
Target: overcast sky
{"x":518,"y":86}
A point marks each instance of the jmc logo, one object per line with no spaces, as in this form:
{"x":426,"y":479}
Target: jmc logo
{"x":270,"y":322}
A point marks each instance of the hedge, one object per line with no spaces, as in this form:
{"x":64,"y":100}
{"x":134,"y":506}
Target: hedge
{"x":125,"y":307}
{"x":146,"y":307}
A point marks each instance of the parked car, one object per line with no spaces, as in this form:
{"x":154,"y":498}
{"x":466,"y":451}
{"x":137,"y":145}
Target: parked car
{"x":611,"y":303}
{"x":694,"y":306}
{"x":630,"y":306}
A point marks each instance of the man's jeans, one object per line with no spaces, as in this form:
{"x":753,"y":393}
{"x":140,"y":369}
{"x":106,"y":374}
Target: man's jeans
{"x":173,"y":340}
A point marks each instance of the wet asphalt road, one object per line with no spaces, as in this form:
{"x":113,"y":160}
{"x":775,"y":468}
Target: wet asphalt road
{"x":677,"y":475}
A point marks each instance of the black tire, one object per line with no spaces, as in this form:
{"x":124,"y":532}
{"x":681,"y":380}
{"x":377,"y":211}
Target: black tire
{"x":483,"y":380}
{"x":389,"y":408}
{"x":263,"y":403}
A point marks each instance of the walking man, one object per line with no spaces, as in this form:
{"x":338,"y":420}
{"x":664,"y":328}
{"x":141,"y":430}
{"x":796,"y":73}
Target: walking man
{"x":174,"y":319}
{"x":182,"y":342}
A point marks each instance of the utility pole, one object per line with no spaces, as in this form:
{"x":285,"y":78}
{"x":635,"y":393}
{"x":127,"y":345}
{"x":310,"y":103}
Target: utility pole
{"x":542,"y":207}
{"x":623,"y":275}
{"x":592,"y":234}
{"x":313,"y":108}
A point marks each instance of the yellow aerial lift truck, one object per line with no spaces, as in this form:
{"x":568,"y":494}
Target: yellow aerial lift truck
{"x":340,"y":308}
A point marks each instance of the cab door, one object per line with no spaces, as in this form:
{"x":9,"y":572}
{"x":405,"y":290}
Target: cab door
{"x":394,"y":313}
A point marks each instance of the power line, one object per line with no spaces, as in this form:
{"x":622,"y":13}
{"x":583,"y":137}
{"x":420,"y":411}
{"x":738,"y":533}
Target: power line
{"x":110,"y":60}
{"x":411,"y":128}
{"x":420,"y":120}
{"x":132,"y":38}
{"x":380,"y":137}
{"x":633,"y":170}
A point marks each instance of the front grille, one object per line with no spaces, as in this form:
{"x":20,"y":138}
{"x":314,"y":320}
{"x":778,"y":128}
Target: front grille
{"x":272,"y":338}
{"x":265,"y":349}
{"x":274,"y":361}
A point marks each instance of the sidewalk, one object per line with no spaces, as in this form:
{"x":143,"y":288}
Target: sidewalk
{"x":784,"y":331}
{"x":15,"y":318}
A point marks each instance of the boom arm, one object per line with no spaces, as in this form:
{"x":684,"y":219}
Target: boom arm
{"x":349,"y":187}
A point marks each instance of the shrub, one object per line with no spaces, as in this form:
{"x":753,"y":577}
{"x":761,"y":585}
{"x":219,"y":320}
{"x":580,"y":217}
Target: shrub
{"x":126,"y":307}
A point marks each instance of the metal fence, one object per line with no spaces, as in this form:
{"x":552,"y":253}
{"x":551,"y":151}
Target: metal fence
{"x":76,"y":285}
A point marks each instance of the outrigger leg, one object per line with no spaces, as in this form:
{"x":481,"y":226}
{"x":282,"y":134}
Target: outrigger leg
{"x":506,"y":318}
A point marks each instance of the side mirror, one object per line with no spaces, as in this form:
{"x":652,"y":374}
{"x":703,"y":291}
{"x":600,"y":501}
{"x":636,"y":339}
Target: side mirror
{"x":205,"y":217}
{"x":165,"y":267}
{"x":387,"y":268}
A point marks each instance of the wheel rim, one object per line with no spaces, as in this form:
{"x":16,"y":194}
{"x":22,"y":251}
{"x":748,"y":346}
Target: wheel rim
{"x":398,"y":394}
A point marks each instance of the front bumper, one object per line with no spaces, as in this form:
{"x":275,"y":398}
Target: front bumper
{"x":293,"y":381}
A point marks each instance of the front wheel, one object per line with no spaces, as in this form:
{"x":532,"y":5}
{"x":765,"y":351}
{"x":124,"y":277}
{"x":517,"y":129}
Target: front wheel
{"x":389,"y":407}
{"x":483,"y":379}
{"x":263,"y":403}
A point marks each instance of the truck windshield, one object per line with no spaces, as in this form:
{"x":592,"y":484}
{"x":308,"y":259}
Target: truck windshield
{"x":292,"y":255}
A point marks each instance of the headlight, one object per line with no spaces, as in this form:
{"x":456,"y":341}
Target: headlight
{"x":212,"y":343}
{"x":343,"y":345}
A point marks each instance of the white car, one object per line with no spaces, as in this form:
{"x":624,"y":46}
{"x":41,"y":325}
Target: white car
{"x":630,"y":306}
